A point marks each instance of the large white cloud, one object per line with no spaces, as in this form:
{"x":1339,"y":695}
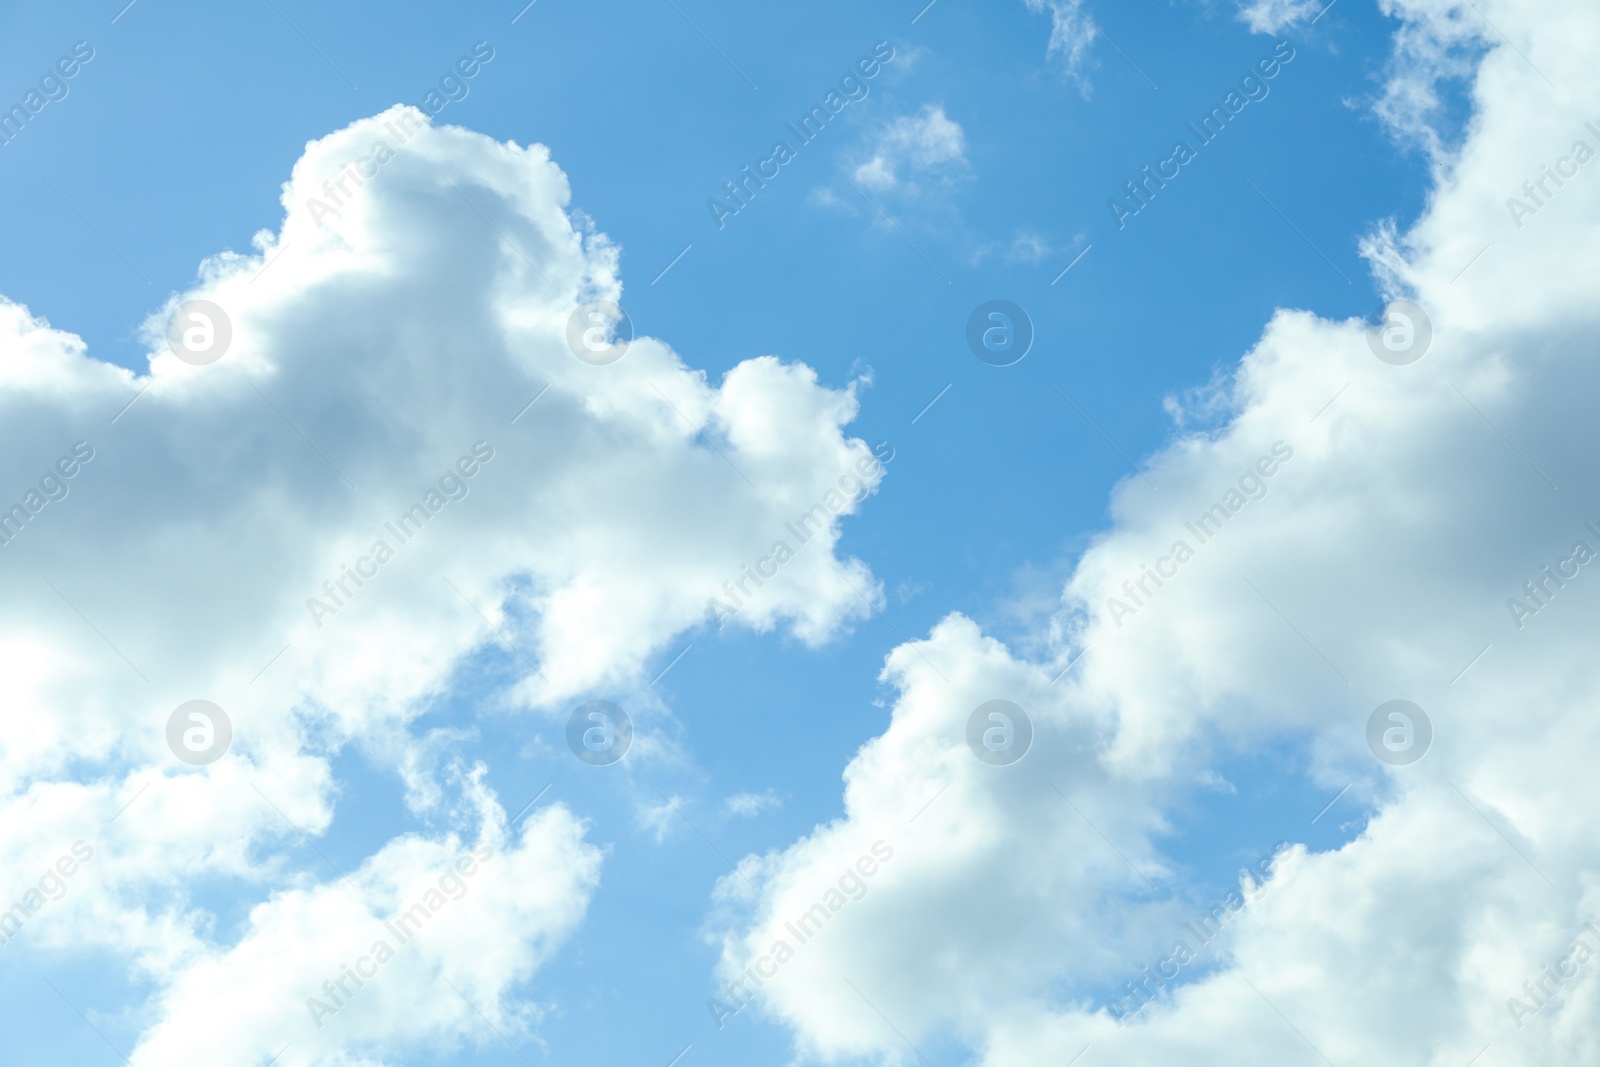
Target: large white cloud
{"x":399,"y":346}
{"x":1375,"y":562}
{"x":422,"y":943}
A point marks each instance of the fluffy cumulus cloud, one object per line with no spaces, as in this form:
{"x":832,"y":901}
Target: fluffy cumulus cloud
{"x":399,"y":461}
{"x":1355,"y":531}
{"x":927,"y":145}
{"x":408,"y":948}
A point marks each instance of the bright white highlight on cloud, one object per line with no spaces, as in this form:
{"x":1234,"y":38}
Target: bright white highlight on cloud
{"x":1404,"y":508}
{"x":399,"y":401}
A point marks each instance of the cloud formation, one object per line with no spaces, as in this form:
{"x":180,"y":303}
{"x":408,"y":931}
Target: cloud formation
{"x":1072,"y":31}
{"x":398,"y":462}
{"x":1377,"y":563}
{"x":1275,"y":16}
{"x":926,"y":145}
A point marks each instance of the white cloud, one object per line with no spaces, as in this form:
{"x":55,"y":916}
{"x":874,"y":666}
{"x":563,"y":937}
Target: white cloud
{"x":411,"y":947}
{"x":748,"y":805}
{"x":823,"y":197}
{"x":912,"y":147}
{"x":373,"y":349}
{"x":1431,"y":56}
{"x":1072,"y":31}
{"x":1379,"y":560}
{"x":1028,"y":247}
{"x":1274,"y":16}
{"x":658,"y":819}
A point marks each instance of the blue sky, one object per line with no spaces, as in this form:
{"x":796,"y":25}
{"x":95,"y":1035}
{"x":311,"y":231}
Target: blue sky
{"x":980,"y":164}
